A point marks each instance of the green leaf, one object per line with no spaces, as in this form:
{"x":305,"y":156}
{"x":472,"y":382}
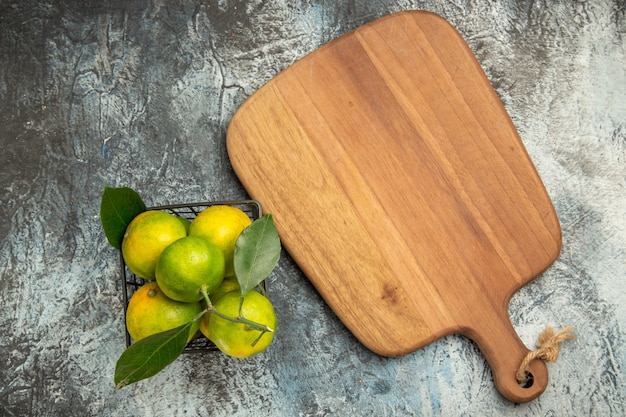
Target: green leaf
{"x":118,"y":207}
{"x":148,"y":356}
{"x":257,"y":252}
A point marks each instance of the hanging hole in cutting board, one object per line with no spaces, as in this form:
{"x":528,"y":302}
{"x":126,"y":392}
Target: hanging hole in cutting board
{"x":528,"y":380}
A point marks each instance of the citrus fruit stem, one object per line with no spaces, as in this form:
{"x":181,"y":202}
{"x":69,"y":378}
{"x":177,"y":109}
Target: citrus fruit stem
{"x":239,"y":319}
{"x":199,"y":315}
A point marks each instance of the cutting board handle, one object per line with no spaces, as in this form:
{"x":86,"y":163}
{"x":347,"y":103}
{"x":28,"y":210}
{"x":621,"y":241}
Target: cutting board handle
{"x":505,"y":351}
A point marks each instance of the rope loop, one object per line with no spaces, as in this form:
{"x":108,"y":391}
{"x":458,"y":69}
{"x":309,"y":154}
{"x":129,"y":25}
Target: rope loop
{"x":547,"y":350}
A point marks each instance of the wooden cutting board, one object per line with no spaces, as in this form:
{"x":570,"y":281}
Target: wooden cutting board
{"x":401,"y":188}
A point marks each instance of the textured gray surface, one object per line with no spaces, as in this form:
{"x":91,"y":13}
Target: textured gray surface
{"x":140,"y":94}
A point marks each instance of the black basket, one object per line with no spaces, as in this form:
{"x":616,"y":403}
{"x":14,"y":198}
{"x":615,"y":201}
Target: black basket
{"x":131,"y":282}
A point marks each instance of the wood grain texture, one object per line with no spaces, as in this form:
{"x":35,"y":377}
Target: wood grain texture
{"x":402,"y":189}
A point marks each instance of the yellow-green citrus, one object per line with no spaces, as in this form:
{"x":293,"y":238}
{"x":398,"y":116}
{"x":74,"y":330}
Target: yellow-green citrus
{"x":188,"y":266}
{"x":229,"y":284}
{"x":145,"y":238}
{"x":186,"y":222}
{"x":150,"y":311}
{"x":221,"y":225}
{"x":239,"y":339}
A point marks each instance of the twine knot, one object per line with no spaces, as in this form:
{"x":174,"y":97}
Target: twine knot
{"x":548,"y":345}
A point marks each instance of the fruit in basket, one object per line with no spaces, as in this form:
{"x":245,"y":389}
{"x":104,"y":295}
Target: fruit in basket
{"x":160,"y":326}
{"x":229,"y":284}
{"x":150,"y":311}
{"x":186,"y":222}
{"x":188,"y":266}
{"x":221,"y":225}
{"x":240,"y":339}
{"x":146,"y":236}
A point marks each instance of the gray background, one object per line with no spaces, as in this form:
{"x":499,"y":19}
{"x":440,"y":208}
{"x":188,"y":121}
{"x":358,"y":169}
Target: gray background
{"x":139,"y":94}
